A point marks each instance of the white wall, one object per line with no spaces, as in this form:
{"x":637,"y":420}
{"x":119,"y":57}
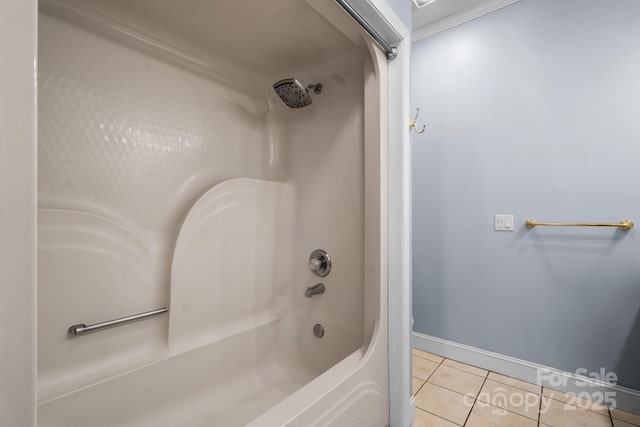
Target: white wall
{"x":325,"y":165}
{"x":533,"y":111}
{"x":18,"y":30}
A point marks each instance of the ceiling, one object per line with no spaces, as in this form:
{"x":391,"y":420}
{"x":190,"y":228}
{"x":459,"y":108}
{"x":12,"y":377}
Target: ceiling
{"x":440,"y":10}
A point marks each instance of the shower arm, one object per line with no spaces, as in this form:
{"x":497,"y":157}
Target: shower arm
{"x":317,"y":88}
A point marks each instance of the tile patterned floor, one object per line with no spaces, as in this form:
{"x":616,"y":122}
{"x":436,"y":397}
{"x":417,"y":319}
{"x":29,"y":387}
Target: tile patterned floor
{"x":449,"y":394}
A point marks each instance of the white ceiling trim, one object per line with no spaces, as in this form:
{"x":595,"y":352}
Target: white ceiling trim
{"x":380,"y":16}
{"x":458,"y":18}
{"x":390,"y":17}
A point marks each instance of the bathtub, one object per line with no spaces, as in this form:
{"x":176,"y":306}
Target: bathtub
{"x":236,"y":381}
{"x":171,"y":175}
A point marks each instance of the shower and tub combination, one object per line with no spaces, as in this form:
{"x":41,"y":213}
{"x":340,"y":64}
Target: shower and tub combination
{"x":211,"y":213}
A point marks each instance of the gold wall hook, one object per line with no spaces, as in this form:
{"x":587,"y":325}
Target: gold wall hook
{"x":414,"y":123}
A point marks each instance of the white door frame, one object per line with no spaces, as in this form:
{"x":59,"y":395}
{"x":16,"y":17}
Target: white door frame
{"x":18,"y":166}
{"x":386,"y":23}
{"x":402,"y":404}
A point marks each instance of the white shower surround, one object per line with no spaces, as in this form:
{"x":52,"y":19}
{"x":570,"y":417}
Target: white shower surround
{"x":198,"y":132}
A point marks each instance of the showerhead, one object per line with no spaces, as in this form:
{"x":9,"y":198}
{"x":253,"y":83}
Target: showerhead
{"x":294,"y":94}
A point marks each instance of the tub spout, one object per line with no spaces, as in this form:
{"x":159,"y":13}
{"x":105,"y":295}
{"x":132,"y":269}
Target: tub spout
{"x":314,"y":290}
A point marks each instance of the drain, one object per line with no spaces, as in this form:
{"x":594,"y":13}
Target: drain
{"x":318,"y":330}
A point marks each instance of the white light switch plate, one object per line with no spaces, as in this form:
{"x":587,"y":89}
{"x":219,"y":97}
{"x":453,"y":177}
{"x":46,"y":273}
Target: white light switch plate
{"x":503,"y":222}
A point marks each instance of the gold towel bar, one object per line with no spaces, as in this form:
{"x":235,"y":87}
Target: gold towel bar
{"x":625,"y":224}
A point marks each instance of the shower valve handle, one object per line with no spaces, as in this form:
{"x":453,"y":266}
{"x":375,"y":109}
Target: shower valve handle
{"x":315,"y":264}
{"x":320,"y":263}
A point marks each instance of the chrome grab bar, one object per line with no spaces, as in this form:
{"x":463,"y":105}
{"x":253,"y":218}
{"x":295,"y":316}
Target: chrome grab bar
{"x":81,"y":328}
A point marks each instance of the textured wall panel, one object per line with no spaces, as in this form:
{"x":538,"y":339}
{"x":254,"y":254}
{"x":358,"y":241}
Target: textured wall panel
{"x":130,"y":139}
{"x":131,"y":134}
{"x":136,"y":141}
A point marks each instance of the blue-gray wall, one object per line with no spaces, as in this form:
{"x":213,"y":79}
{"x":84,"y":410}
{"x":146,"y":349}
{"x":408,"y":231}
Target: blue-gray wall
{"x":532,"y":110}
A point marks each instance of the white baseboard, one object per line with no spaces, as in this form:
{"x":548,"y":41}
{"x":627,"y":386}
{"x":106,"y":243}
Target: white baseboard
{"x":625,"y":399}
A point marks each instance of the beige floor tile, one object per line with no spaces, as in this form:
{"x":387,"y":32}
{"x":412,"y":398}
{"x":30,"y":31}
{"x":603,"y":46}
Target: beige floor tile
{"x":416,"y":384}
{"x":465,"y":367}
{"x":459,"y":381}
{"x":514,"y":382}
{"x":625,"y":416}
{"x":484,"y":415}
{"x":426,"y":419}
{"x":559,"y":414}
{"x":618,"y":423}
{"x":444,"y":403}
{"x":427,"y":355}
{"x":510,"y":398}
{"x":577,"y":401}
{"x":423,"y":368}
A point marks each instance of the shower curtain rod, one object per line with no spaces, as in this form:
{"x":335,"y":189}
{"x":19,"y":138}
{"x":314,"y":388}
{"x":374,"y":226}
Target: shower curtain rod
{"x":391,"y":51}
